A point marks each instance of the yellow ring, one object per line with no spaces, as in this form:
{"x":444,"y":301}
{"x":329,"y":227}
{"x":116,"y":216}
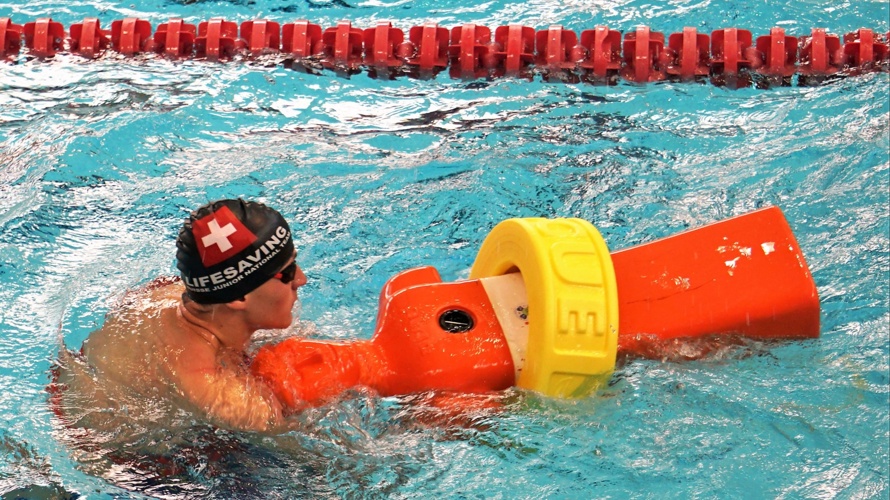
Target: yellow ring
{"x":573,"y":300}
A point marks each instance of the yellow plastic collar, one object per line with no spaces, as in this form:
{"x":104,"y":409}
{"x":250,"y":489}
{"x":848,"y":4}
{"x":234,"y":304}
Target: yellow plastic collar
{"x":573,"y":300}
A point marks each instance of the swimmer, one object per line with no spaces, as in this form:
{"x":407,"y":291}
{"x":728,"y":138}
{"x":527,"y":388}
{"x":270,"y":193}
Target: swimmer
{"x":178,"y":346}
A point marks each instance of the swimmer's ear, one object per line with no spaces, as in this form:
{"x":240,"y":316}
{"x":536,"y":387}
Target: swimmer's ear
{"x":237,"y":304}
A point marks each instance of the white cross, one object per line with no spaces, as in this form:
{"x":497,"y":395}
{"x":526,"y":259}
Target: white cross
{"x":219,"y":235}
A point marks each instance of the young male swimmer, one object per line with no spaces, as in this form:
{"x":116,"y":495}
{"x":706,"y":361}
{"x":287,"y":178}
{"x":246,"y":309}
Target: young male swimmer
{"x":178,"y":347}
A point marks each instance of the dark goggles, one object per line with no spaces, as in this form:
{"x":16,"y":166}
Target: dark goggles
{"x":287,"y":274}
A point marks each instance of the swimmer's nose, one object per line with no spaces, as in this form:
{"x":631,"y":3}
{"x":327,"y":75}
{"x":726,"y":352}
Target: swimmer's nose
{"x":299,"y":279}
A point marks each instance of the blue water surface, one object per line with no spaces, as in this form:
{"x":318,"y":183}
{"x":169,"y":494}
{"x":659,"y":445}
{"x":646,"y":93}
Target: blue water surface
{"x":100,"y":161}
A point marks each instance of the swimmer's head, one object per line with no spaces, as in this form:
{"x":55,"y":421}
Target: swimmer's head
{"x":228,"y":248}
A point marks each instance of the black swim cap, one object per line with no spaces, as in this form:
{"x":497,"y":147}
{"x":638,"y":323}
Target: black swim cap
{"x":228,"y":248}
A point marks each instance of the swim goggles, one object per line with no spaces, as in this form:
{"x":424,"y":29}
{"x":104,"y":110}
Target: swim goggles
{"x":287,"y":274}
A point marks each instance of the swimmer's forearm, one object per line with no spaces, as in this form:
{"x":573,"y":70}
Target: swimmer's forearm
{"x":240,"y":403}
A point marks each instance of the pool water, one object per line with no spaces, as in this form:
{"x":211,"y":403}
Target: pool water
{"x":100,"y":162}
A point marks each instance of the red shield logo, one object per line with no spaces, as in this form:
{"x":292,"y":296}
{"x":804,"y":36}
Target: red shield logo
{"x":220,"y":236}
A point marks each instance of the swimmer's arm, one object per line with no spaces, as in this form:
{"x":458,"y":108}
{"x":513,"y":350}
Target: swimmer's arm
{"x":234,"y":400}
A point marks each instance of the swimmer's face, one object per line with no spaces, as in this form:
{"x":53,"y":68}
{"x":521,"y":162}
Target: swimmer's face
{"x":271,"y":304}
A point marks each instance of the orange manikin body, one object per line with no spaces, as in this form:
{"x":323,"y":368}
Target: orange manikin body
{"x":410,"y":351}
{"x":744,"y":276}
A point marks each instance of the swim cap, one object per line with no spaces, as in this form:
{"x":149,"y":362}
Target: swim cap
{"x":228,"y":248}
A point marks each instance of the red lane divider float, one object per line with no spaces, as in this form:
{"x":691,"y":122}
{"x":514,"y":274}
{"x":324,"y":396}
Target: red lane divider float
{"x":88,"y":39}
{"x":44,"y":37}
{"x":729,"y":56}
{"x":175,"y":39}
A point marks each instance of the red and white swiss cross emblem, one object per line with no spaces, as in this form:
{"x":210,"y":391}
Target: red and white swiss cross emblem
{"x":220,"y":236}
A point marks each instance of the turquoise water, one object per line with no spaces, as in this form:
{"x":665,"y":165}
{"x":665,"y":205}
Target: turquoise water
{"x":100,"y":161}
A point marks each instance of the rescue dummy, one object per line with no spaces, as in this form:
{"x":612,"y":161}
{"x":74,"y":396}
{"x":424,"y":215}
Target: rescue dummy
{"x":541,"y":307}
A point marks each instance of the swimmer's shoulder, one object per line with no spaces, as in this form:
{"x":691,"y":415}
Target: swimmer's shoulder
{"x":160,"y":293}
{"x":145,"y":310}
{"x":136,"y":325}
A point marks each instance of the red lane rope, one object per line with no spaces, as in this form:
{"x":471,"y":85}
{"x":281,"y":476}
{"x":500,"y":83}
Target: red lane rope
{"x":729,"y":56}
